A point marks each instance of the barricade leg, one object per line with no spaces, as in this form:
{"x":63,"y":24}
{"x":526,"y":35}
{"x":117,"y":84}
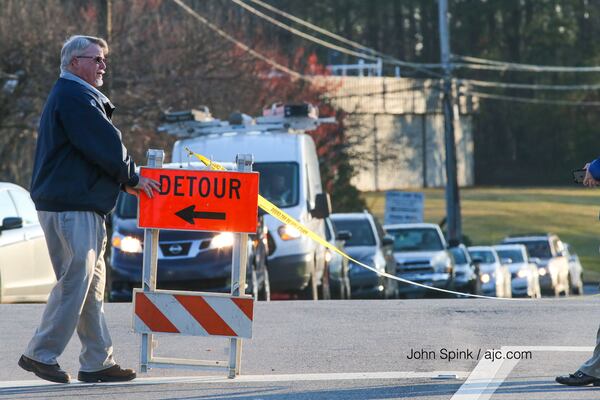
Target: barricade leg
{"x":150,"y":261}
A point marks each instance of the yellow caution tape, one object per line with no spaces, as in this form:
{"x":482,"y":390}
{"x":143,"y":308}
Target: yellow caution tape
{"x":282,"y":216}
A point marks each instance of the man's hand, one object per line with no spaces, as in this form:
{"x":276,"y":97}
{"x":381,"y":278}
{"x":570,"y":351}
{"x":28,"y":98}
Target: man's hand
{"x":589,"y":180}
{"x":146,"y":185}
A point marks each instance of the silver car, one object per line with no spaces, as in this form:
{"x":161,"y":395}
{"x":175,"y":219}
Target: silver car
{"x":495,"y":277}
{"x":524,"y":273}
{"x":575,"y":270}
{"x":548,"y":252}
{"x":26,"y":274}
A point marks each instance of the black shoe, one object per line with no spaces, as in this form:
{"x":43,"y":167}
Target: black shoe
{"x":578,"y":379}
{"x":49,"y":372}
{"x":110,"y":374}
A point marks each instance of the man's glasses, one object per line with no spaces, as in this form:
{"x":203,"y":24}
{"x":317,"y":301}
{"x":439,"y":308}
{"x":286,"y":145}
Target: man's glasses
{"x":98,"y":59}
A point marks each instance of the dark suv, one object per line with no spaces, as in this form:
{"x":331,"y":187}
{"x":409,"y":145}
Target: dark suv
{"x":187,"y":260}
{"x":367,"y":242}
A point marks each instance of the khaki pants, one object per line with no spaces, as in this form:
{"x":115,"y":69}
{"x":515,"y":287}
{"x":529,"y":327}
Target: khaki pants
{"x":76,"y":242}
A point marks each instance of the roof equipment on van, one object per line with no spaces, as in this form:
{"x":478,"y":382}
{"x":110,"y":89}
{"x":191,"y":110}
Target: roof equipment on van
{"x":279,"y":117}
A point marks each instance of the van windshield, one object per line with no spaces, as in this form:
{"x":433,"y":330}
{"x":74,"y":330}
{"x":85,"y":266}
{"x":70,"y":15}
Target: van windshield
{"x":279,"y":182}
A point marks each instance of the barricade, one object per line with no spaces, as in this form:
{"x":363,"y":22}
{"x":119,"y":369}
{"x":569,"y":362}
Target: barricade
{"x":170,"y":312}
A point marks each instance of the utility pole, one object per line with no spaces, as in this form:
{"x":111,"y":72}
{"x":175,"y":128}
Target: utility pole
{"x":105,"y":32}
{"x":452,"y":194}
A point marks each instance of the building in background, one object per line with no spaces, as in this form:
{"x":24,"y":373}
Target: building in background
{"x":396,"y":125}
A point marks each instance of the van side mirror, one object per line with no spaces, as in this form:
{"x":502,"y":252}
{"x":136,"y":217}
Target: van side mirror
{"x":11,"y":223}
{"x":322,"y":206}
{"x":344,"y":235}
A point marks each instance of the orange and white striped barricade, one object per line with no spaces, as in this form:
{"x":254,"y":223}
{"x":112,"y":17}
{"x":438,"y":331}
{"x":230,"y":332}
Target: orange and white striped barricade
{"x":193,"y":313}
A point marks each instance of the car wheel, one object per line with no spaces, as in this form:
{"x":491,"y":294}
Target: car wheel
{"x":578,"y":289}
{"x":476,"y":286}
{"x":567,"y":286}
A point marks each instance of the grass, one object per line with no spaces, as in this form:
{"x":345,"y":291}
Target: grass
{"x":491,"y":213}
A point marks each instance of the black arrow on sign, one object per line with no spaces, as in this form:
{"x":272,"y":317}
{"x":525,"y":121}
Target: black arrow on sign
{"x":188,"y":214}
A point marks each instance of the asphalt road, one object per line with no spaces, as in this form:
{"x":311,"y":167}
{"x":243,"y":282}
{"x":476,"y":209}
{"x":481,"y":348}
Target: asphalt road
{"x":345,"y":350}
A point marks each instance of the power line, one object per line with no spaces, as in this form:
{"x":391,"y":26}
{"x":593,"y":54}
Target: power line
{"x":485,"y":64}
{"x":534,"y":101}
{"x":303,"y":34}
{"x":324,"y":43}
{"x":315,"y":27}
{"x":230,"y":38}
{"x":534,"y":86}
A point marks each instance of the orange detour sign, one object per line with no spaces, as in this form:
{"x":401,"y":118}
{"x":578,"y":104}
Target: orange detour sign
{"x":200,"y":200}
{"x":192,"y":314}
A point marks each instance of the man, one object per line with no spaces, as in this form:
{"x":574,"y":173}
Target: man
{"x":589,"y":372}
{"x":80,"y":166}
{"x":278,"y":192}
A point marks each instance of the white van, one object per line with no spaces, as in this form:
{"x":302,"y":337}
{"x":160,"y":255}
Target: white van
{"x":289,"y":178}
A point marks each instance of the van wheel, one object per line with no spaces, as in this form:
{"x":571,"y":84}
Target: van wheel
{"x":325,"y":288}
{"x":254,"y":282}
{"x":311,"y":292}
{"x":265,"y":292}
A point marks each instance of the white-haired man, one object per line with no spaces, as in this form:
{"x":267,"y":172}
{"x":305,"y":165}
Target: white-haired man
{"x":80,"y":166}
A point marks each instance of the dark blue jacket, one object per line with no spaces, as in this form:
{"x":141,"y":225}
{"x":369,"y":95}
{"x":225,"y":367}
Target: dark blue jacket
{"x":80,"y":161}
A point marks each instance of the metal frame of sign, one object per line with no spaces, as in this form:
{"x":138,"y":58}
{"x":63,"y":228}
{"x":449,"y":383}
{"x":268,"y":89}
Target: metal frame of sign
{"x":238,"y":284}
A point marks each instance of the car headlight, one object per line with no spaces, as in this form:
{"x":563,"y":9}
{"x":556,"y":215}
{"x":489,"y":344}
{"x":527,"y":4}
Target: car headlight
{"x":328,"y":255}
{"x":523,"y":273}
{"x":222,"y":240}
{"x":379,"y":262}
{"x":288,"y":232}
{"x":127,"y":244}
{"x":485,"y":278}
{"x":542,"y":271}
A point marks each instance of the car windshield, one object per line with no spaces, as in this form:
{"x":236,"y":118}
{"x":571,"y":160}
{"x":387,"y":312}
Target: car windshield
{"x":459,"y":255}
{"x":515,"y":255}
{"x":486,"y":256}
{"x":538,"y":248}
{"x":279,"y":182}
{"x":416,"y":239}
{"x":362,"y":233}
{"x":127,"y":206}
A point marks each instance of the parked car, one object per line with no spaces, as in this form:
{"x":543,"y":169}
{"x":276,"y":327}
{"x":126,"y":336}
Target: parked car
{"x":524,"y":273}
{"x":422,"y":256}
{"x":187,"y":260}
{"x":26,"y":273}
{"x":495,"y":277}
{"x":368,"y":244}
{"x":548,"y":252}
{"x":575,"y":270}
{"x":467,"y":278}
{"x":336,"y":266}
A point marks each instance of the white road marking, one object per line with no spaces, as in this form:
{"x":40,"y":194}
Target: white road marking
{"x":13,"y":385}
{"x":488,"y":375}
